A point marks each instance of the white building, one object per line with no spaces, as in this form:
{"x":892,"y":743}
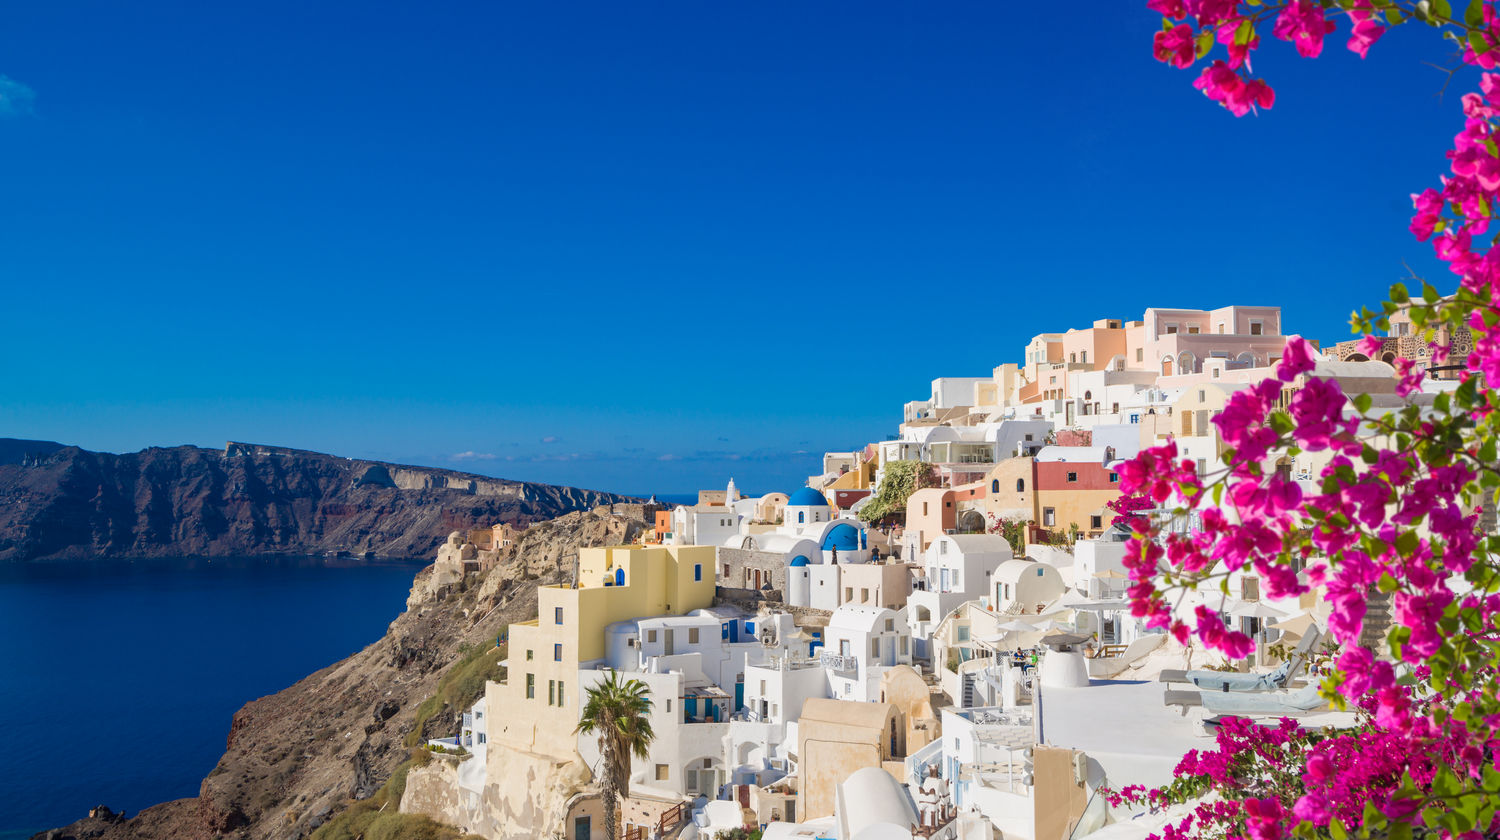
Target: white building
{"x":1024,"y":586}
{"x":860,"y":643}
{"x":957,"y":568}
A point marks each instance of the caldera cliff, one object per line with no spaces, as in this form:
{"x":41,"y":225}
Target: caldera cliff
{"x":61,"y":502}
{"x":296,"y":759}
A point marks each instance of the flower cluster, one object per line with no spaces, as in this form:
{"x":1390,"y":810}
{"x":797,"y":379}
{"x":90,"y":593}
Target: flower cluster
{"x":1385,"y":506}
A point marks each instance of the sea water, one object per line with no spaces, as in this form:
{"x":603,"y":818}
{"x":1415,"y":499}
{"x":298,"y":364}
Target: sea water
{"x":118,"y":679}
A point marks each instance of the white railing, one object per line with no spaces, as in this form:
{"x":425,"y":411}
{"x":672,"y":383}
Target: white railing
{"x":839,"y":662}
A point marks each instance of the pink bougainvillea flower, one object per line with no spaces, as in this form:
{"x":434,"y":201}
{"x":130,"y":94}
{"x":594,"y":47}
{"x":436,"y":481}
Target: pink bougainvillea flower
{"x":1367,"y":28}
{"x":1296,"y":359}
{"x":1175,"y":46}
{"x":1302,"y":22}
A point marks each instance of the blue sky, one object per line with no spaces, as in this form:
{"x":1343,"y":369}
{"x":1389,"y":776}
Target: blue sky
{"x":644,"y":247}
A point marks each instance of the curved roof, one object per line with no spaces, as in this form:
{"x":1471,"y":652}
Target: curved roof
{"x":858,"y":617}
{"x":843,"y":537}
{"x":807,"y":497}
{"x":874,"y":798}
{"x":1011,"y":570}
{"x":797,"y":561}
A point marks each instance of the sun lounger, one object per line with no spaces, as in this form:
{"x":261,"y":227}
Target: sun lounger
{"x":1183,"y":699}
{"x":1230,"y":681}
{"x":1290,"y":703}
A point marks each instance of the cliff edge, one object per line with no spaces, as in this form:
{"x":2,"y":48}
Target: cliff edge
{"x":61,"y":502}
{"x":294,"y":759}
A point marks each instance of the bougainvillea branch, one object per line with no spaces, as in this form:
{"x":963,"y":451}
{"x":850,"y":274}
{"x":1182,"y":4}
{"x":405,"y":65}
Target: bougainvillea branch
{"x":1394,"y":502}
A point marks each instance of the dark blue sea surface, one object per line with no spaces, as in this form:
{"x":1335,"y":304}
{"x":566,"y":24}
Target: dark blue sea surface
{"x":118,"y":679}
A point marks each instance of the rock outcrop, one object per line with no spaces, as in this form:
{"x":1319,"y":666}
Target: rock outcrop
{"x":294,"y":759}
{"x":60,"y":502}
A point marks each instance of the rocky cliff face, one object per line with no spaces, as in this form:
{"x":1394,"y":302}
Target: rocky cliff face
{"x":61,"y":501}
{"x":295,"y":758}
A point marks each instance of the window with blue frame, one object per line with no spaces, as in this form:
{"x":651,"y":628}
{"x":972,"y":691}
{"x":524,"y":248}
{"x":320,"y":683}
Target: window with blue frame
{"x":697,"y":571}
{"x":557,"y":615}
{"x":557,"y":653}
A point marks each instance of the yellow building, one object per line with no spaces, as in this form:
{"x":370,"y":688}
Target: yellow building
{"x":536,"y":708}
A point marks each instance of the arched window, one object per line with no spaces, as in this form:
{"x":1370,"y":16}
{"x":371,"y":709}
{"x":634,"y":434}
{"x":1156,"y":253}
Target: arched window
{"x":995,"y":486}
{"x":801,"y":516}
{"x":1020,"y":485}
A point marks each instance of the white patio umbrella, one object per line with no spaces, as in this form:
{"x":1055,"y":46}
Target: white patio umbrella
{"x":1256,"y":609}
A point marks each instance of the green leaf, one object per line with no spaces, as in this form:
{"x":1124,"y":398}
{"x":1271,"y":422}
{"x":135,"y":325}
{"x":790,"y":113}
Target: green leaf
{"x":1244,"y":32}
{"x":1399,"y":293}
{"x":1205,"y":42}
{"x":1362,"y":403}
{"x":1394,"y":17}
{"x":1430,"y":294}
{"x":1441,"y":10}
{"x":1474,"y":15}
{"x":1423,"y":11}
{"x":1479,"y":44}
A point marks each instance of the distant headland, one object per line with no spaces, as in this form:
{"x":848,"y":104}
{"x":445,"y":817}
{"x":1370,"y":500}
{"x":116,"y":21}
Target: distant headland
{"x":62,"y":502}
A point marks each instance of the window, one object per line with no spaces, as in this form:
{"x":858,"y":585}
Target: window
{"x":661,"y":772}
{"x":1072,"y":478}
{"x":692,"y":635}
{"x":848,"y":594}
{"x":801,"y":517}
{"x":528,"y":655}
{"x":995,"y":486}
{"x":1201,"y":395}
{"x":963,"y":632}
{"x":1257,"y":328}
{"x":890,"y":624}
{"x":551,"y":692}
{"x":1140,"y":354}
{"x":1216,"y":373}
{"x":1049,"y":517}
{"x":1072,"y":358}
{"x":1202,"y":465}
{"x":1192,"y":330}
{"x":531,"y":686}
{"x":1083,"y":356}
{"x":1028,"y":437}
{"x":874,"y":648}
{"x":557,"y":653}
{"x":697,"y":574}
{"x":1221,"y":328}
{"x":669,"y":705}
{"x":1039,"y":571}
{"x":942,"y":546}
{"x":864,"y":595}
{"x":904,"y":641}
{"x":1096,"y":522}
{"x":1114,"y":478}
{"x":1020,"y":485}
{"x":1171,"y":329}
{"x":557,"y":615}
{"x":651,"y":634}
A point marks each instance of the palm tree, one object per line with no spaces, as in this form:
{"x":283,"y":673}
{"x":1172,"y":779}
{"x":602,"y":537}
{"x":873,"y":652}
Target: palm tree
{"x":621,"y":713}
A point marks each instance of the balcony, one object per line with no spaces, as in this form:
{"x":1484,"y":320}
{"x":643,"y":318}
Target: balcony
{"x":844,"y":666}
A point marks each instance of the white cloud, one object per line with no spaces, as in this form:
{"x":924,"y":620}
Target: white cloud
{"x":471,"y":455}
{"x":15,"y":98}
{"x":550,"y":439}
{"x":670,"y":457}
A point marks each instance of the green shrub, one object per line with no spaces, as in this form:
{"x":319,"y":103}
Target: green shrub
{"x":461,"y":687}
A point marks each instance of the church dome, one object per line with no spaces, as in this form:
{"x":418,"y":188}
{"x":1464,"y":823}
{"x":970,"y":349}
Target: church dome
{"x":807,"y":497}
